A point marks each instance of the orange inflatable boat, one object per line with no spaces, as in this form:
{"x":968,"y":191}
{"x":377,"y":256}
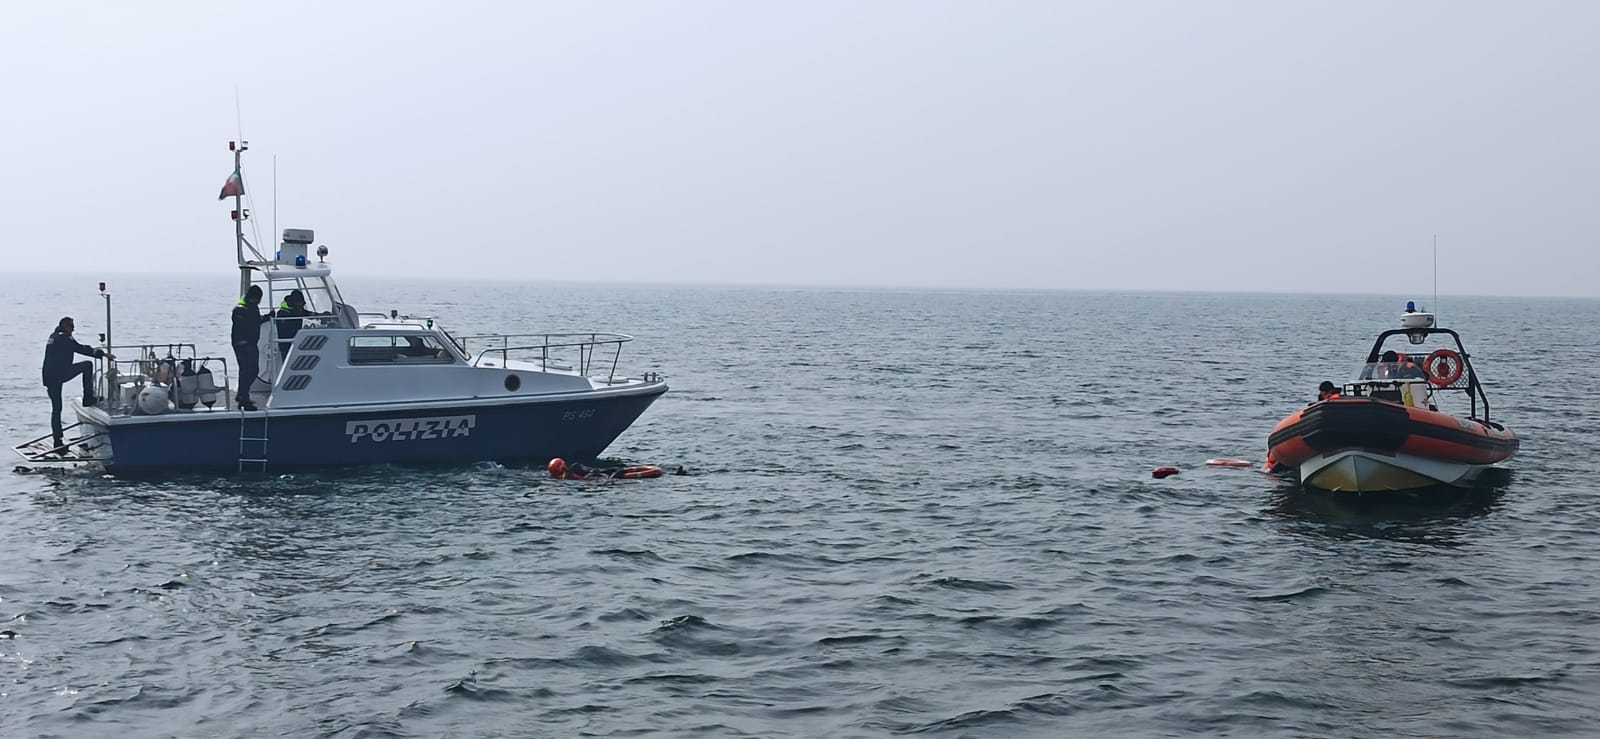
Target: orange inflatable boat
{"x":1386,"y":431}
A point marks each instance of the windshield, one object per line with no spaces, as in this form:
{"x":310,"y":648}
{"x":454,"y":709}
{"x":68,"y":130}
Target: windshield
{"x":1397,"y":370}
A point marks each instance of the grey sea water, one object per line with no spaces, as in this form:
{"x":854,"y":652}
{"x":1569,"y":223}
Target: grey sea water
{"x":909,"y":513}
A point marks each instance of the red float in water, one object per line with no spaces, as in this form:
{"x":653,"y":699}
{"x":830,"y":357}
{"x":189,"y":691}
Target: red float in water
{"x":1161,"y":472}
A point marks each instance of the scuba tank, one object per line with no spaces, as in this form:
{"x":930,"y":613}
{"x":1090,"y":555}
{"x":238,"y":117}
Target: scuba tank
{"x":205,"y":387}
{"x":187,"y":392}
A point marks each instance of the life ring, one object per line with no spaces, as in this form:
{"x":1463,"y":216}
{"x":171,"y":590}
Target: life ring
{"x":1444,"y":367}
{"x":639,"y":471}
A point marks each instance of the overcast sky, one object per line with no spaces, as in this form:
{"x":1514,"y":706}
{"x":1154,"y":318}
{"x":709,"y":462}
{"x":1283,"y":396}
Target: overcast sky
{"x":1262,"y":146}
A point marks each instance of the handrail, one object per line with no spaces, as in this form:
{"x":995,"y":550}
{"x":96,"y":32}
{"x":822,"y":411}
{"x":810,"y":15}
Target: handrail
{"x":586,"y":342}
{"x":157,"y":370}
{"x":170,"y":346}
{"x":395,"y":317}
{"x":386,"y":318}
{"x":159,"y":363}
{"x":146,"y":359}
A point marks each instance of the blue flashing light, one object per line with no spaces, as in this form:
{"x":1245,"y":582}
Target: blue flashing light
{"x":300,"y":261}
{"x":1411,"y":306}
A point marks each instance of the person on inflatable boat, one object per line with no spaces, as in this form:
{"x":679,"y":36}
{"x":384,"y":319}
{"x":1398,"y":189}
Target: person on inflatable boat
{"x":1396,"y":366}
{"x":1327,"y":391}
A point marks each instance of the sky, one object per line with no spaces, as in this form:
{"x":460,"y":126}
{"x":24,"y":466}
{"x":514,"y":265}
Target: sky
{"x":1145,"y":145}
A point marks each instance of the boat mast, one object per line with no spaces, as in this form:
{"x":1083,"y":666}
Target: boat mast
{"x":239,"y":215}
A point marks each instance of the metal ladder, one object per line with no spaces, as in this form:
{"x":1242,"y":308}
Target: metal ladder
{"x":254,"y":456}
{"x":43,"y":450}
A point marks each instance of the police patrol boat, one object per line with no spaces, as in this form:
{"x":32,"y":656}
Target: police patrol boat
{"x":1386,"y":431}
{"x":339,"y":387}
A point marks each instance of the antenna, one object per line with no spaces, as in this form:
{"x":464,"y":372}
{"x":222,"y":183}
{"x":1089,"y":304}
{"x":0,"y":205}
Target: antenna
{"x":238,"y":116}
{"x":275,"y":230}
{"x":255,"y":226}
{"x":1436,"y":277}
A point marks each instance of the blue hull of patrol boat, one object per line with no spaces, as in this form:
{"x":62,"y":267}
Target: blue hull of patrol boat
{"x":438,"y":434}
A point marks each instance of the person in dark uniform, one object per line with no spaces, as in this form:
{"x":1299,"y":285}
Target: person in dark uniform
{"x":59,"y":369}
{"x":290,"y":311}
{"x":247,"y":320}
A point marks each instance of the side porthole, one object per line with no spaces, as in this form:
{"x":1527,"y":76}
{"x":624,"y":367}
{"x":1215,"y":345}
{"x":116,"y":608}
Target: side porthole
{"x":513,"y":382}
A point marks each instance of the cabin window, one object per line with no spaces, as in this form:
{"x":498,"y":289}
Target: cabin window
{"x":397,"y":350}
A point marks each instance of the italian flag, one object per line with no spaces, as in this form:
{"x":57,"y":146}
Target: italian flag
{"x":234,"y":186}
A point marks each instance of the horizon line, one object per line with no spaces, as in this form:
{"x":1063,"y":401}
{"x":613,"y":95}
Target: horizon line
{"x":823,"y":286}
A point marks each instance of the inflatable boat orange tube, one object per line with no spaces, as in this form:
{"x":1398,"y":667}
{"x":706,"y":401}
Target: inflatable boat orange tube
{"x":1388,"y":428}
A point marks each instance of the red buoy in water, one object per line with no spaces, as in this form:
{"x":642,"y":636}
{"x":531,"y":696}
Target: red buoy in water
{"x":1161,"y":472}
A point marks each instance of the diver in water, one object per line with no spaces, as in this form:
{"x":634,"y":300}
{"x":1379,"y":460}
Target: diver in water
{"x":560,"y":470}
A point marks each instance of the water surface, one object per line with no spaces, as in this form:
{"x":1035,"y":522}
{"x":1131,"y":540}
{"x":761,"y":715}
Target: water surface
{"x":911,"y":512}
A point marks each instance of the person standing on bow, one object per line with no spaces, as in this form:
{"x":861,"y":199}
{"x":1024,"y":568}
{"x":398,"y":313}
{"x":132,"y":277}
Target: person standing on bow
{"x":59,"y":369}
{"x":247,"y":320}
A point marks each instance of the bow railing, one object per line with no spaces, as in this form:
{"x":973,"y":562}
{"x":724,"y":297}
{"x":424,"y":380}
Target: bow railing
{"x":594,"y":350}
